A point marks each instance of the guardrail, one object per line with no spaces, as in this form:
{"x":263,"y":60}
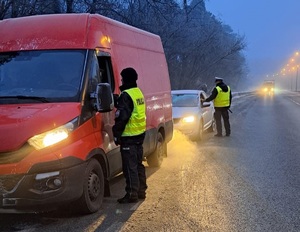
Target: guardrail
{"x":234,"y":94}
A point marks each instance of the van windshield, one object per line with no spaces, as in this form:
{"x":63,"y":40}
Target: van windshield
{"x":51,"y":75}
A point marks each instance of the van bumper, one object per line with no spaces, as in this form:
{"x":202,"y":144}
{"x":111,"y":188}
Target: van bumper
{"x":49,"y":188}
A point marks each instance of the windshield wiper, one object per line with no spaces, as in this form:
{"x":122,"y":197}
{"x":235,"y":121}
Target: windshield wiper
{"x":41,"y":99}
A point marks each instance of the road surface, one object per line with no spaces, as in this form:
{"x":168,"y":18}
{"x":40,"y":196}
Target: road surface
{"x":247,"y":182}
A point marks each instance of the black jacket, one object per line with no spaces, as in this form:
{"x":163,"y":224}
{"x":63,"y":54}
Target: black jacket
{"x":214,"y":94}
{"x":124,"y":105}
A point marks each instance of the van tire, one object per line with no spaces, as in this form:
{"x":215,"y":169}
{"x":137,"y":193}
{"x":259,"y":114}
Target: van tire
{"x":93,"y":188}
{"x":155,"y":159}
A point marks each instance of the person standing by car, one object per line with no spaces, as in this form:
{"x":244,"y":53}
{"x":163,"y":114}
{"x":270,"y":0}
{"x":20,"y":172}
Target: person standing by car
{"x":129,"y":133}
{"x":221,"y":95}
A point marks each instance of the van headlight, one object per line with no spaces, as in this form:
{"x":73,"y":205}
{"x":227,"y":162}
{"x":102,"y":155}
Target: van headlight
{"x":188,"y":119}
{"x":53,"y":136}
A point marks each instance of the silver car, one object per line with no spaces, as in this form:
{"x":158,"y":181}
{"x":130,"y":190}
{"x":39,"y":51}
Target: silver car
{"x":190,"y":116}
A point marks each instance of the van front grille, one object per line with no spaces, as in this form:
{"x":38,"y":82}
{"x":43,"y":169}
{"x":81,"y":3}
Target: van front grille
{"x":8,"y":182}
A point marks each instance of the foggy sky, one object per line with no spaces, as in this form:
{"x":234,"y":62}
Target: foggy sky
{"x":271,"y":28}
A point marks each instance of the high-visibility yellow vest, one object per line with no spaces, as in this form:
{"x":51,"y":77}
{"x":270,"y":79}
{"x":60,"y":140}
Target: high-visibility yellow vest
{"x":223,"y":98}
{"x":137,"y":122}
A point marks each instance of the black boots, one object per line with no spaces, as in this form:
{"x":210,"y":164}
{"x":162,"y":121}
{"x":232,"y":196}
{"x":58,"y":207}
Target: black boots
{"x":132,"y":198}
{"x":128,"y":199}
{"x":218,"y":135}
{"x":142,"y":196}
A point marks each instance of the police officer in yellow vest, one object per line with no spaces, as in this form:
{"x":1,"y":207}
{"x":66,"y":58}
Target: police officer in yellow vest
{"x":221,"y":95}
{"x":129,"y":133}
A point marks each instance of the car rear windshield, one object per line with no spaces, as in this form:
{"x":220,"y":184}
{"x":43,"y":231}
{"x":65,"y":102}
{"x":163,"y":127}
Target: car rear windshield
{"x":185,"y":100}
{"x":52,"y":75}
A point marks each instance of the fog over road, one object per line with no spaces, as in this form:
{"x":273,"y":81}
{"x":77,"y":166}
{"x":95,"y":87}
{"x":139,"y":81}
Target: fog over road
{"x":247,"y":182}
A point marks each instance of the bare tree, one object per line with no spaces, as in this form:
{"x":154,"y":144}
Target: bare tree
{"x":211,"y":48}
{"x":69,"y":6}
{"x":5,"y":6}
{"x":197,"y":45}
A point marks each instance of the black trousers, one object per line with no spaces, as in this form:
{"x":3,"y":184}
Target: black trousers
{"x":133,"y":168}
{"x":219,"y":114}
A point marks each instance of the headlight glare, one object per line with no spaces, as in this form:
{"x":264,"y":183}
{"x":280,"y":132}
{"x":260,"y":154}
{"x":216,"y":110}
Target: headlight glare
{"x":51,"y":137}
{"x":188,"y":119}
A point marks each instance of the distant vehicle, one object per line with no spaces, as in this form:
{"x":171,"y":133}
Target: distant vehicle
{"x":190,"y":116}
{"x":268,"y":87}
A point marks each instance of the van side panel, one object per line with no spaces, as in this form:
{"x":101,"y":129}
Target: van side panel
{"x":144,"y":52}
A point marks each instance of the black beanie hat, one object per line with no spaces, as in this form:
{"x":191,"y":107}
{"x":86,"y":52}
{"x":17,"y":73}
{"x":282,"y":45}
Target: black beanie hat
{"x":129,"y":75}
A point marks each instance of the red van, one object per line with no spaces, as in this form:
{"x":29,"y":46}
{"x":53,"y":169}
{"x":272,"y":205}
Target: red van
{"x":58,"y":74}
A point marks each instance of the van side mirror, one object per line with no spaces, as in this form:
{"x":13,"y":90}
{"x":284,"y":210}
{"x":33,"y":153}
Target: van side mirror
{"x":104,"y":98}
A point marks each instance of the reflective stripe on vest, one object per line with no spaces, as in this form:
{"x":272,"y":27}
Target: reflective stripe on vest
{"x":223,"y":98}
{"x":137,"y":122}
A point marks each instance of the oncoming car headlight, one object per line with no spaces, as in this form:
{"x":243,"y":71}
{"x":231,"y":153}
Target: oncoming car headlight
{"x":188,"y":119}
{"x":53,"y":136}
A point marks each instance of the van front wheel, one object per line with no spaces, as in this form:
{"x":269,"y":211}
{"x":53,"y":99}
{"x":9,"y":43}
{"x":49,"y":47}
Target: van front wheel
{"x":156,"y":158}
{"x":93,"y":188}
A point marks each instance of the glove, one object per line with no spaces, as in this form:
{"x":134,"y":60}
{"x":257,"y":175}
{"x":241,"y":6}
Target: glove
{"x":117,"y":141}
{"x":115,"y":96}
